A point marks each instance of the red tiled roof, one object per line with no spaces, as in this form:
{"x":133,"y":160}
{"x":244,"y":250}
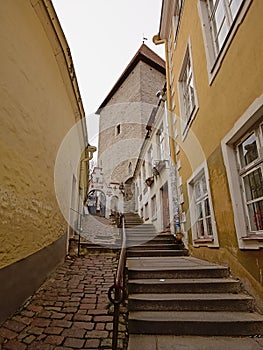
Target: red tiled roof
{"x":144,"y":54}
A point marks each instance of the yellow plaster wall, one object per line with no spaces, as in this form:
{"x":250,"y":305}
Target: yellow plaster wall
{"x":35,"y":115}
{"x":237,"y":84}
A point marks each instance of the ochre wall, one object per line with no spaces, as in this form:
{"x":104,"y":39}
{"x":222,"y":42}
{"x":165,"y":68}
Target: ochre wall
{"x":35,"y":115}
{"x":237,"y":84}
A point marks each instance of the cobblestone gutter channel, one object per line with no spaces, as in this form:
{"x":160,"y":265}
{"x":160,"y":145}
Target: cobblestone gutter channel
{"x":70,"y":311}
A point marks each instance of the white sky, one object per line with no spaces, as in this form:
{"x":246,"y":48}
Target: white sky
{"x":103,"y":36}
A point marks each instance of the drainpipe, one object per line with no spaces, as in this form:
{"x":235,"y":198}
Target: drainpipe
{"x":157,"y":41}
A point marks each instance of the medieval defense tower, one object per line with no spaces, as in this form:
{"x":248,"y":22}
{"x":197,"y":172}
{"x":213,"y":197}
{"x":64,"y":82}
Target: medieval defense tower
{"x":124,"y":114}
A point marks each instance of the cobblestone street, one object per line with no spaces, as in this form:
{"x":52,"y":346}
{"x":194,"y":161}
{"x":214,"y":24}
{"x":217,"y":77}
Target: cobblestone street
{"x":69,"y":311}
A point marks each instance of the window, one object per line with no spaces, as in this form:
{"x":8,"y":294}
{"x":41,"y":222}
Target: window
{"x":118,"y":129}
{"x":250,"y":171}
{"x":146,"y":212}
{"x":130,"y":169}
{"x":187,"y":93}
{"x":160,"y":143}
{"x":143,"y":171}
{"x":177,"y":18}
{"x":220,"y":20}
{"x":153,"y":206}
{"x":201,"y":211}
{"x":243,"y":157}
{"x":150,"y":161}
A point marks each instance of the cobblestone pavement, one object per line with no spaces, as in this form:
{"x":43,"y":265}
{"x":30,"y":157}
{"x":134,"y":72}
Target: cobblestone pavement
{"x":69,"y":311}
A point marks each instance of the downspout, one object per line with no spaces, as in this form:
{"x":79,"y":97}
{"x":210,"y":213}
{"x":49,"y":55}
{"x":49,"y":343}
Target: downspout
{"x":157,"y":41}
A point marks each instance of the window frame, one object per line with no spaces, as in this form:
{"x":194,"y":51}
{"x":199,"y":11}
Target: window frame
{"x":177,"y":19}
{"x":214,"y":60}
{"x":186,"y":120}
{"x":160,"y":143}
{"x":210,"y":241}
{"x":245,"y":124}
{"x":154,"y":207}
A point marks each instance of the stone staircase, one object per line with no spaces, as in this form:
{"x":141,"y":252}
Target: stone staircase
{"x":143,"y":240}
{"x":171,"y":293}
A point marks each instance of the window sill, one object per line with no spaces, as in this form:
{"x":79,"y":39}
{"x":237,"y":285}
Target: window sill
{"x":204,"y":240}
{"x":253,"y":238}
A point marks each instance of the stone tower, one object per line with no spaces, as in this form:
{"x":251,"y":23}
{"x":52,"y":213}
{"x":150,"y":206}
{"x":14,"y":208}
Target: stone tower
{"x":124,"y":115}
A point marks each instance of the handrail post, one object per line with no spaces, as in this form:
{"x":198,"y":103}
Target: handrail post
{"x":118,"y":287}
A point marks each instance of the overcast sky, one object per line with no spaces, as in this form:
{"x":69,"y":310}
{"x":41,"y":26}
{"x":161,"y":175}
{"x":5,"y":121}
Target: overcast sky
{"x":103,"y":36}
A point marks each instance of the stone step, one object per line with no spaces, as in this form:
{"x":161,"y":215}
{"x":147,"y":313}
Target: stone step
{"x":199,"y":323}
{"x":190,"y":302}
{"x":154,"y":238}
{"x":140,"y":229}
{"x":134,"y":251}
{"x":169,"y":342}
{"x":198,"y":285}
{"x":173,"y":272}
{"x":152,"y":246}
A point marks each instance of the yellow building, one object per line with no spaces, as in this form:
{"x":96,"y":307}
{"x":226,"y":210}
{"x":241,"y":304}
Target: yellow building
{"x":214,"y":53}
{"x":39,"y":104}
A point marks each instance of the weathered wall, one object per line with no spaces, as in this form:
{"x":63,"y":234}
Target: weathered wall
{"x":35,"y":115}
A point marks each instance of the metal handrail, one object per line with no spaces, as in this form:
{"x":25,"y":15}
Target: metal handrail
{"x":116,"y":292}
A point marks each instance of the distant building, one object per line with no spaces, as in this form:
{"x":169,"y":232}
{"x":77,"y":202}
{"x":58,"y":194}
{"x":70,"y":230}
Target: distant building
{"x":154,"y":175}
{"x":215,"y":94}
{"x":123,"y":116}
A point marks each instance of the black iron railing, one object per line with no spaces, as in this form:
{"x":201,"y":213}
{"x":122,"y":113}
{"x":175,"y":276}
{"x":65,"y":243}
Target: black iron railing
{"x":117,"y":291}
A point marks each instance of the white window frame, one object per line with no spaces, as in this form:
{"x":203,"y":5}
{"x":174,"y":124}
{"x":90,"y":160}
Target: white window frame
{"x":177,"y":19}
{"x":214,"y":59}
{"x":154,"y":207}
{"x":252,"y":116}
{"x":160,"y":143}
{"x":150,"y":161}
{"x":186,"y":120}
{"x":208,"y":241}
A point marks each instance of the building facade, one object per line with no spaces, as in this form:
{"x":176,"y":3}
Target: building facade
{"x":123,"y":117}
{"x":214,"y":52}
{"x":154,"y":176}
{"x":39,"y":103}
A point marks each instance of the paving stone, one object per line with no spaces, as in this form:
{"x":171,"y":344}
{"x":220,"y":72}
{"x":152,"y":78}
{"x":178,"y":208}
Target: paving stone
{"x":79,"y":317}
{"x":61,"y":323}
{"x":14,"y":325}
{"x":92,"y":343}
{"x":14,"y":345}
{"x":57,"y":315}
{"x":40,"y":322}
{"x":84,"y":325}
{"x":100,"y":326}
{"x":54,"y":339}
{"x":35,"y":308}
{"x":74,"y":343}
{"x":102,"y":318}
{"x":7,"y":334}
{"x":29,"y":339}
{"x":53,"y":330}
{"x":97,"y":334}
{"x":35,"y":330}
{"x":74,"y":332}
